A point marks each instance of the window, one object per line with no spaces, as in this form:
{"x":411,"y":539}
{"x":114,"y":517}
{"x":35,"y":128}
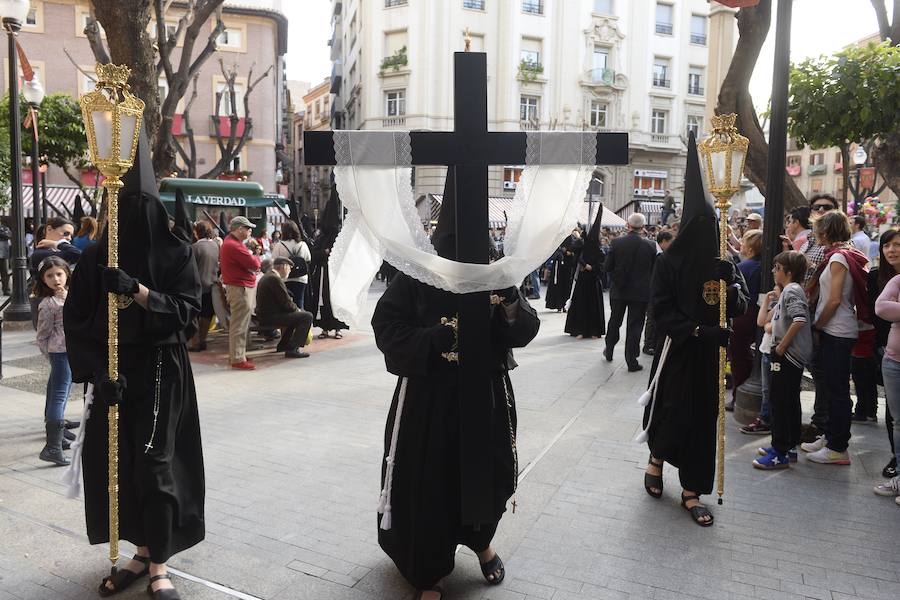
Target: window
{"x":87,"y":80}
{"x":530,"y":51}
{"x":224,"y":98}
{"x":838,"y":158}
{"x":601,"y":57}
{"x":511,"y":176}
{"x":529,"y":108}
{"x":390,"y":3}
{"x":395,"y":103}
{"x":598,"y":114}
{"x":598,"y":182}
{"x":171,"y":29}
{"x":658,"y":121}
{"x":793,"y":161}
{"x":694,"y":123}
{"x":698,"y":29}
{"x":474,"y":4}
{"x":815,"y":185}
{"x":31,"y":20}
{"x":230,"y":38}
{"x":661,"y":73}
{"x":695,"y":81}
{"x":162,"y":88}
{"x":603,"y":7}
{"x":817,"y":159}
{"x":663,"y":19}
{"x":534,"y":7}
{"x":394,"y":42}
{"x":477,"y":44}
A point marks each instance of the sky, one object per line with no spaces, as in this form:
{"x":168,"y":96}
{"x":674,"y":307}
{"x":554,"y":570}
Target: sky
{"x":817,"y":27}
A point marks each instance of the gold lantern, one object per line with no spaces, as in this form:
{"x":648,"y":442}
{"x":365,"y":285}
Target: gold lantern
{"x":723,"y":153}
{"x":112,"y":117}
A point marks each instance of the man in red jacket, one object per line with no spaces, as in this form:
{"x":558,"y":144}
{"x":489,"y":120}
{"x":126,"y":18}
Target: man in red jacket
{"x":239,"y":267}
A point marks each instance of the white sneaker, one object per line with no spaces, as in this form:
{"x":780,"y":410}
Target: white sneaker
{"x":891,"y":487}
{"x":827,"y":456}
{"x":814,"y":446}
{"x":897,"y":500}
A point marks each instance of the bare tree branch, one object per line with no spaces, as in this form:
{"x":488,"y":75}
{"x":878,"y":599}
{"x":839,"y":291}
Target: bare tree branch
{"x":95,"y":39}
{"x":884,"y":28}
{"x":78,"y":68}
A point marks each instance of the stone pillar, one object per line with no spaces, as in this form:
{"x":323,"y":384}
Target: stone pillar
{"x":721,"y":40}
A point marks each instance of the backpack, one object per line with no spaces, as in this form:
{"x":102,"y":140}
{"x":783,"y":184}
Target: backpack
{"x":300,"y":268}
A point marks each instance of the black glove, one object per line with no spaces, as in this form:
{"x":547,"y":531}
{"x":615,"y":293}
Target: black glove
{"x":117,"y":281}
{"x":725,"y":271}
{"x":442,"y":338}
{"x":112,"y":391}
{"x":721,"y":335}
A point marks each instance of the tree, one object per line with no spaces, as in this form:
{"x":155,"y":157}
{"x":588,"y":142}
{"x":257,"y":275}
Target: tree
{"x":150,"y":56}
{"x":886,"y":154}
{"x":849,"y":97}
{"x":734,"y":97}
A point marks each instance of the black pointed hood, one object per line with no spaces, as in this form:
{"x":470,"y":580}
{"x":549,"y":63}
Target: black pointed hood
{"x":592,"y":252}
{"x":695,"y":250}
{"x":330,"y":221}
{"x":444,"y":236}
{"x":94,"y":207}
{"x":78,"y":211}
{"x":223,"y":224}
{"x":183,"y":226}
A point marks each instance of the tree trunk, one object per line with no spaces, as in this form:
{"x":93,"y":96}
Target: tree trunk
{"x":125,"y":23}
{"x":734,"y":97}
{"x":886,"y":157}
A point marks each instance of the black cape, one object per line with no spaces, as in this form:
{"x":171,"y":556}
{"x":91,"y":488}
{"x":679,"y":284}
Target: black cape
{"x":562,"y":271}
{"x":161,"y":477}
{"x":587,"y":316}
{"x":318,"y":292}
{"x":682,"y":430}
{"x":426,"y":498}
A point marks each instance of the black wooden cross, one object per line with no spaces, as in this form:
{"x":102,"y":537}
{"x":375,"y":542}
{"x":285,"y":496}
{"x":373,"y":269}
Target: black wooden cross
{"x":471,"y":148}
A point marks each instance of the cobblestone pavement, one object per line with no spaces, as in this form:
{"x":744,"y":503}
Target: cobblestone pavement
{"x":292,"y":457}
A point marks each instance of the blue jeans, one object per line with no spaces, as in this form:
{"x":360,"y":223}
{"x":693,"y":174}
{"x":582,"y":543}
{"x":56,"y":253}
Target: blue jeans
{"x":535,"y":282}
{"x":58,"y":387}
{"x":890,"y":370}
{"x":834,"y":360}
{"x":765,"y":384}
{"x":296,"y":289}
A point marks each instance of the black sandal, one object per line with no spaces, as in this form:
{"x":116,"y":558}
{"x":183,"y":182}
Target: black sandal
{"x":697,"y":512}
{"x":437,"y":588}
{"x":123,"y":578}
{"x":652,"y":482}
{"x":493,"y":566}
{"x":323,"y":335}
{"x":338,"y":336}
{"x":163,"y":594}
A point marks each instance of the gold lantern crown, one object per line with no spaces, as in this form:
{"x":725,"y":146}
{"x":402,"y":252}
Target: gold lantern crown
{"x":724,"y":153}
{"x":110,"y":75}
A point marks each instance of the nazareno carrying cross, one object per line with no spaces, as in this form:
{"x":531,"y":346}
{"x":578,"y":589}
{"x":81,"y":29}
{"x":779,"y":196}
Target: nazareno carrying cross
{"x":373,"y":174}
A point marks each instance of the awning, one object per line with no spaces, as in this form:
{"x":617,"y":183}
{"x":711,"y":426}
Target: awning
{"x":215,"y":192}
{"x":497,"y":209}
{"x":610,"y":219}
{"x":60,"y":200}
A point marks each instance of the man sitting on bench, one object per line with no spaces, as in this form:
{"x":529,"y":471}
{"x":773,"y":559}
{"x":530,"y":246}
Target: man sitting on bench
{"x":275,"y":308}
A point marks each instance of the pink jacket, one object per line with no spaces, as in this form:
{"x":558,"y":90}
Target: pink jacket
{"x":888,"y":308}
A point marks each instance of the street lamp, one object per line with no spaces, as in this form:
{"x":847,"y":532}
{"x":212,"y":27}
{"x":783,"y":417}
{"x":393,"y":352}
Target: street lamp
{"x":34,"y":95}
{"x":724,"y":153}
{"x":14,"y":13}
{"x":112,"y":118}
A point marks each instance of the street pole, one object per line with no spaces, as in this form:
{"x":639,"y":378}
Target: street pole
{"x":19,"y":308}
{"x":43,"y":170}
{"x":774,"y":207}
{"x":37,"y":206}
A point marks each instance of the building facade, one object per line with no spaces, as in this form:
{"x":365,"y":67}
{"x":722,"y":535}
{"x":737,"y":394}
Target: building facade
{"x":616,"y":65}
{"x":255,"y":35}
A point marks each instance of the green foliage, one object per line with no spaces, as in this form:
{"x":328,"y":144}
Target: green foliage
{"x":529,"y":71}
{"x":848,"y":97}
{"x":62,"y":139}
{"x":395,"y":61}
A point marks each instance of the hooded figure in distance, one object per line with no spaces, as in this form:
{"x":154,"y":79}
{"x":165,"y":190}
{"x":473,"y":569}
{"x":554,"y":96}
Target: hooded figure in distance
{"x":161,"y":482}
{"x":680,"y":422}
{"x":587,"y":317}
{"x":426,"y":479}
{"x":318,"y":300}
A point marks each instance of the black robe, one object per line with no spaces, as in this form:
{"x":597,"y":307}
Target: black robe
{"x":161,"y":489}
{"x":318,"y":292}
{"x":683,"y":428}
{"x":587,"y":316}
{"x":426,"y":497}
{"x":559,"y":287}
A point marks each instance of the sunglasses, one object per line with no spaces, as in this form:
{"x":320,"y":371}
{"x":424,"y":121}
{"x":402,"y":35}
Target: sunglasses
{"x":822,"y":207}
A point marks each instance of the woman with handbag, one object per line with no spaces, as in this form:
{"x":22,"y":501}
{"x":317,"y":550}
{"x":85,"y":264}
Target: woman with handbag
{"x":294,"y":248}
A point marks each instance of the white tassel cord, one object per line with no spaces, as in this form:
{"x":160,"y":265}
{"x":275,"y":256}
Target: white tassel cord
{"x":649,"y":396}
{"x":384,"y":501}
{"x":72,"y":475}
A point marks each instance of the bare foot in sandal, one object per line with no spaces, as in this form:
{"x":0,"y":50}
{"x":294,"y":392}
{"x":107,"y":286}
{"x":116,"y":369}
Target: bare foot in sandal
{"x":699,"y":513}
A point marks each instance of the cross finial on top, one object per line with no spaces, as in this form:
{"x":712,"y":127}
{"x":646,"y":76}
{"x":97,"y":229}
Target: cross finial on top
{"x":468,"y":39}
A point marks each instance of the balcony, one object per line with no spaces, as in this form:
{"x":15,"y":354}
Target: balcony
{"x":793,"y":170}
{"x":662,"y":83}
{"x":337,"y":72}
{"x":660,"y":138}
{"x":529,"y":125}
{"x":606,"y":76}
{"x":224,"y":128}
{"x":818,"y":169}
{"x":664,"y":28}
{"x":838,"y":167}
{"x":392,"y":3}
{"x":695,"y":90}
{"x":533,"y":7}
{"x":474,"y":4}
{"x":394,"y":122}
{"x":698,"y":38}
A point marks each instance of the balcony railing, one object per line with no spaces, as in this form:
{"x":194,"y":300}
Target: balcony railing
{"x":399,"y":121}
{"x":664,"y":28}
{"x":390,"y":3}
{"x":695,"y":90}
{"x":662,"y":83}
{"x":534,"y":7}
{"x":607,"y":76}
{"x":474,"y":4}
{"x":529,"y":125}
{"x":660,"y":138}
{"x":820,"y":169}
{"x":698,"y":38}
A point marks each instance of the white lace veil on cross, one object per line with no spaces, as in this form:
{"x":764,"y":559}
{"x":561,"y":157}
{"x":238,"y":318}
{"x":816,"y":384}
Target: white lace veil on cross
{"x":373,"y":177}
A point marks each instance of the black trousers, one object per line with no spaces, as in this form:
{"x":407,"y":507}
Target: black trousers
{"x":649,"y":330}
{"x":864,"y":372}
{"x":5,"y":275}
{"x":637,"y":311}
{"x":294,"y":328}
{"x":784,"y":403}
